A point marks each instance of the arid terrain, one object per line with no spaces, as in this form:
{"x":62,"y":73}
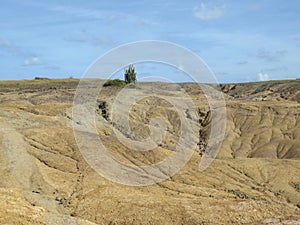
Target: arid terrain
{"x":255,"y":178}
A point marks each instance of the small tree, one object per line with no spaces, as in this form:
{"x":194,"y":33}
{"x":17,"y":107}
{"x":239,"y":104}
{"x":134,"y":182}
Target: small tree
{"x":130,"y":75}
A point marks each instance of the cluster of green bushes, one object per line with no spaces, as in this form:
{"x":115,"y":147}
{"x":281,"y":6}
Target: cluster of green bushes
{"x":130,"y":78}
{"x":41,"y":78}
{"x":115,"y":82}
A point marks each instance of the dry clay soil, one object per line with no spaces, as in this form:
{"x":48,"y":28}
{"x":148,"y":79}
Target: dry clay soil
{"x":255,"y":178}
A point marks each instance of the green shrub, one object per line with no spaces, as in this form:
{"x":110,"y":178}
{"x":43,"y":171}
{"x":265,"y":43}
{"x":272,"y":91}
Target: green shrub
{"x":130,"y":75}
{"x":41,"y":78}
{"x":115,"y":82}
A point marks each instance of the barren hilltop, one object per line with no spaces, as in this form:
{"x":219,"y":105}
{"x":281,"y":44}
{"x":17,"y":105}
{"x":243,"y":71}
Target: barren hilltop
{"x":255,"y":178}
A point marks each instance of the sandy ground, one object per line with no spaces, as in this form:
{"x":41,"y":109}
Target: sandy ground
{"x":255,"y":178}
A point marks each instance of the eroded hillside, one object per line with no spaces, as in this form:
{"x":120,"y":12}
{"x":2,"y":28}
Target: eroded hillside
{"x":255,"y":178}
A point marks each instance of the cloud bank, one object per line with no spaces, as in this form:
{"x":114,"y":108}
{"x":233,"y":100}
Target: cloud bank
{"x":208,"y":12}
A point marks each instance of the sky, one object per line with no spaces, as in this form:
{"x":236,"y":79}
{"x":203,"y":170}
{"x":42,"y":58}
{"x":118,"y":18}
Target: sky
{"x":240,"y":41}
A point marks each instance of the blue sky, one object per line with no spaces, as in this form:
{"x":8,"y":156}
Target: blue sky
{"x":239,"y":40}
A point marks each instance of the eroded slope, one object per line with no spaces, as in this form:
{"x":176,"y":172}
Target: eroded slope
{"x":255,"y":178}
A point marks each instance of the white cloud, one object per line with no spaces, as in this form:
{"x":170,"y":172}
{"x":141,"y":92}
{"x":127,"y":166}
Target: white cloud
{"x":81,"y":37}
{"x":79,"y":12}
{"x":242,"y":62}
{"x":47,"y":67}
{"x":208,"y":12}
{"x":256,"y":6}
{"x":32,"y":61}
{"x":85,"y":37}
{"x":271,"y":56}
{"x":9,"y":46}
{"x":180,"y":67}
{"x":86,"y":13}
{"x":263,"y":77}
{"x":5,"y":43}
